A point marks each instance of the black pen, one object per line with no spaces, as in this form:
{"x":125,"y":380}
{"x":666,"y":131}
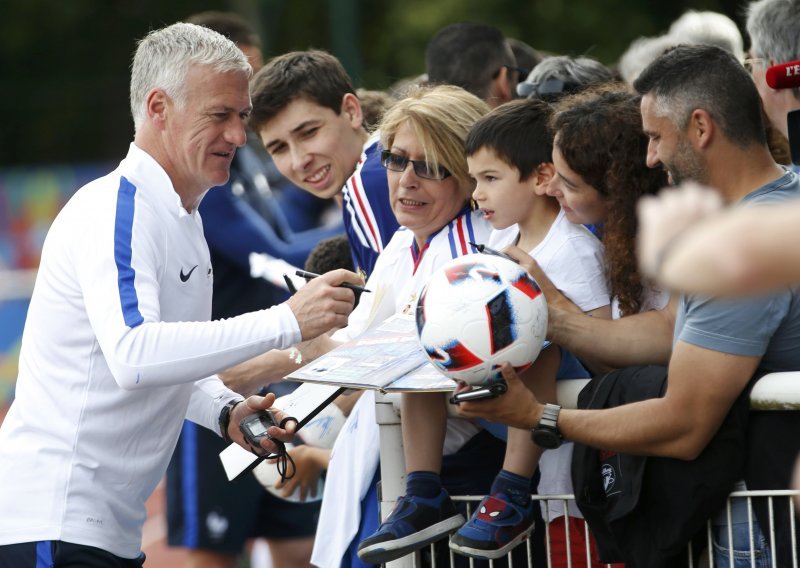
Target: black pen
{"x":353,"y":287}
{"x":289,"y":284}
{"x":486,"y":250}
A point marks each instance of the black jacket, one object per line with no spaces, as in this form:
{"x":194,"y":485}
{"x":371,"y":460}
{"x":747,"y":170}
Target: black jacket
{"x":644,"y":510}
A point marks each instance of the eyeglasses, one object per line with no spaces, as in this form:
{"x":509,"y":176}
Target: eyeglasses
{"x":751,"y":62}
{"x":398,"y":163}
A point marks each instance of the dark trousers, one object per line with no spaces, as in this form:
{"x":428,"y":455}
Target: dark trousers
{"x":60,"y":554}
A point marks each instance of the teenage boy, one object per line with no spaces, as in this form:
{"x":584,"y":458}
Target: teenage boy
{"x":307,"y":114}
{"x":509,"y":155}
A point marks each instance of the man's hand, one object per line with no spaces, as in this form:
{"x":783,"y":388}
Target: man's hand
{"x":557,"y":303}
{"x":323,"y":304}
{"x":552,"y":294}
{"x":517,"y":407}
{"x":666,"y":217}
{"x":251,"y":406}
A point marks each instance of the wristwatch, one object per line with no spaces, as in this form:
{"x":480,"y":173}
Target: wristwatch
{"x":545,"y":433}
{"x":225,"y":418}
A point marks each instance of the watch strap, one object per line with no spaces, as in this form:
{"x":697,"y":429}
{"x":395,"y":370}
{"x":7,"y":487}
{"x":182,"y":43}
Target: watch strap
{"x":549,"y":417}
{"x":225,"y":418}
{"x":546,"y":433}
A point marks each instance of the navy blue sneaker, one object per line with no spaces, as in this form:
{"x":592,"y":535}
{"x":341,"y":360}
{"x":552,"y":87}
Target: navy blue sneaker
{"x":414,"y":523}
{"x":496,"y":527}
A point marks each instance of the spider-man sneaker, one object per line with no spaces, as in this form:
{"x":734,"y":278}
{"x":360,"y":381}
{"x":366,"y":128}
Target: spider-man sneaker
{"x":414,"y":523}
{"x":496,"y":527}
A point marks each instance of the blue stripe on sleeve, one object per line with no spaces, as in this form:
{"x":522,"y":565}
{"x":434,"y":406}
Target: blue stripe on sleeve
{"x":44,"y":554}
{"x":123,"y":233}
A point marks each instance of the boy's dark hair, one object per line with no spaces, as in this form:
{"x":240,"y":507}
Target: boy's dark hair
{"x":518,"y":132}
{"x":689,"y":77}
{"x":230,"y":24}
{"x":314,"y":75}
{"x":467,"y":55}
{"x":330,"y":254}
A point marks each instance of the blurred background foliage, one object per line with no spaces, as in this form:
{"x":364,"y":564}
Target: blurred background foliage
{"x":65,"y":65}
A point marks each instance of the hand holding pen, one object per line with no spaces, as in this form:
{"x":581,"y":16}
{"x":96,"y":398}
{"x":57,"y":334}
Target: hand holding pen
{"x":309,"y":275}
{"x":324,"y":302}
{"x":354,"y":287}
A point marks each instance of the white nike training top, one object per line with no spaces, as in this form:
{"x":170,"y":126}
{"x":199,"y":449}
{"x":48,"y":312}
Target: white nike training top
{"x":115,"y":354}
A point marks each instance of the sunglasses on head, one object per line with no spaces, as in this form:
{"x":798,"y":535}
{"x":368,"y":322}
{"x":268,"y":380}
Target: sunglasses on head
{"x":397,"y":163}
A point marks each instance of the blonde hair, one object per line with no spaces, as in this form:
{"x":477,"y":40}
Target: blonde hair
{"x":440,"y":117}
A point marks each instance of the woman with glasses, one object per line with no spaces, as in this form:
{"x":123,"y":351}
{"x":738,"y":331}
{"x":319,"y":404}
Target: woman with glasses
{"x":429,"y":187}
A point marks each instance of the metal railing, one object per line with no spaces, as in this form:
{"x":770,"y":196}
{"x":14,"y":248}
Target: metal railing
{"x":704,"y":559}
{"x":777,"y":391}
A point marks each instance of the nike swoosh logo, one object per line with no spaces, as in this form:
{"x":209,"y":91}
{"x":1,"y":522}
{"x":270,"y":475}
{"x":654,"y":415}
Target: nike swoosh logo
{"x":185,"y":277}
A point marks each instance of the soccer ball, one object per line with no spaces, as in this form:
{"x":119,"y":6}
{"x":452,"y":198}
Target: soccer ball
{"x":477,"y":312}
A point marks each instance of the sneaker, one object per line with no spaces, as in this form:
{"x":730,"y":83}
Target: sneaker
{"x":496,"y":526}
{"x":413,"y":523}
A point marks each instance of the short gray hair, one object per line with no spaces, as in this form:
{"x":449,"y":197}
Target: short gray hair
{"x":708,"y":28}
{"x":706,"y":77}
{"x":164,"y":56}
{"x":578,"y":70}
{"x":773,"y":29}
{"x":559,"y":75}
{"x":642,"y":52}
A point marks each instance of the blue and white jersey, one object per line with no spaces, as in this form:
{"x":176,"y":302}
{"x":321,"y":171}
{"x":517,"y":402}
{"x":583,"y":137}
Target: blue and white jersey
{"x":117,"y":350}
{"x":368,"y":217}
{"x":403,"y":269}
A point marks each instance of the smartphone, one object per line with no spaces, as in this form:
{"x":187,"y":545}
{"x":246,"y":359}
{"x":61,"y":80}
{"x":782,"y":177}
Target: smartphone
{"x":490,"y":391}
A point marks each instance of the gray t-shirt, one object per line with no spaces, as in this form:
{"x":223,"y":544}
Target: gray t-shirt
{"x":765,"y":325}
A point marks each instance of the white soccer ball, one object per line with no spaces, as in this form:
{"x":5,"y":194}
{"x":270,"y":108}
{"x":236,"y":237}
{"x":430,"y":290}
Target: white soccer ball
{"x":477,"y":312}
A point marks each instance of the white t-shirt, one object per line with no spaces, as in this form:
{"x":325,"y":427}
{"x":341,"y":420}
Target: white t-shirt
{"x":572,"y":257}
{"x":396,"y":281}
{"x":117,"y":350}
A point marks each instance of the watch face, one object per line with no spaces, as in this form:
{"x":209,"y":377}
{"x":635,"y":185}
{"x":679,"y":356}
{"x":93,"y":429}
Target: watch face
{"x":546,"y":438}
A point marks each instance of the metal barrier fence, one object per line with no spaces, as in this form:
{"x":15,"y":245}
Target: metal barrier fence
{"x":706,"y":556}
{"x":778,"y":391}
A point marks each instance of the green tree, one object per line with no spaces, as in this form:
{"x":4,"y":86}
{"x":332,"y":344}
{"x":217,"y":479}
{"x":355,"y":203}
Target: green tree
{"x":65,"y":65}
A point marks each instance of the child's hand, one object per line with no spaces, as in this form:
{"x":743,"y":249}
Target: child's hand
{"x":309,"y":464}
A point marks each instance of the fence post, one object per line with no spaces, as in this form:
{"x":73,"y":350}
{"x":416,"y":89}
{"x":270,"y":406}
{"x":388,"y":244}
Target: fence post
{"x":392,"y":464}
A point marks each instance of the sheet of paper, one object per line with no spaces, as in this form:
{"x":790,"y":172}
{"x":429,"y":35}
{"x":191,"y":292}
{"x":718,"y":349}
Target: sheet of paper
{"x":371,"y":361}
{"x":305,"y":399}
{"x":236,"y":460}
